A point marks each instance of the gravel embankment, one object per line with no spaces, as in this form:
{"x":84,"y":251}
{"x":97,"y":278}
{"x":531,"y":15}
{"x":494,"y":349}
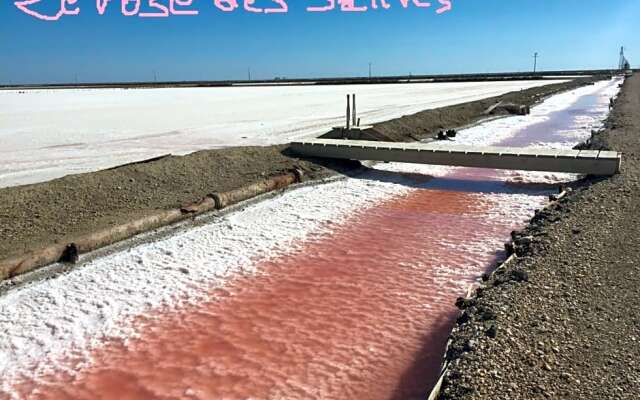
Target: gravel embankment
{"x":427,"y":123}
{"x":564,"y":321}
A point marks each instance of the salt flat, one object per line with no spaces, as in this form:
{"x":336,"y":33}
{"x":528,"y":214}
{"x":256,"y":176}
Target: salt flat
{"x":46,"y":134}
{"x":55,"y":316}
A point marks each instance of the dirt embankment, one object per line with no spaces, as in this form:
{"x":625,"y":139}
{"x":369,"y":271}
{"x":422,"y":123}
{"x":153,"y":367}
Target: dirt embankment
{"x":563,"y":322}
{"x":57,"y":211}
{"x":427,"y":123}
{"x":32,"y":216}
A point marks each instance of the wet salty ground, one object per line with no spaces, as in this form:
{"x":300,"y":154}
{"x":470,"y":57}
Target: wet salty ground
{"x":77,"y":205}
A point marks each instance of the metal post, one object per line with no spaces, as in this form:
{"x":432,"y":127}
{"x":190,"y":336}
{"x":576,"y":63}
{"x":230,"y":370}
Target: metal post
{"x":353,"y":111}
{"x":535,"y":62}
{"x":348,"y":111}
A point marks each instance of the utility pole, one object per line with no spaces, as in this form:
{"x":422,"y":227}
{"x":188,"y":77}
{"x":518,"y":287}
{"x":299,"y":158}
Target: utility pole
{"x":623,"y":59}
{"x":348,"y":111}
{"x":535,"y":62}
{"x":249,"y":72}
{"x":369,"y":70}
{"x":155,"y":76}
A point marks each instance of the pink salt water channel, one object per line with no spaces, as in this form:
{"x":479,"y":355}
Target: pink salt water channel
{"x":341,"y":290}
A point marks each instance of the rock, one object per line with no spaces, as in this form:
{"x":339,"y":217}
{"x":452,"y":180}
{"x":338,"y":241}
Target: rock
{"x":492,"y":332}
{"x":518,"y":275}
{"x":463,"y":303}
{"x":524,"y":240}
{"x":463,"y":319}
{"x":470,"y":345}
{"x":70,"y":254}
{"x":487,"y":314}
{"x":509,"y":248}
{"x":566,"y":375}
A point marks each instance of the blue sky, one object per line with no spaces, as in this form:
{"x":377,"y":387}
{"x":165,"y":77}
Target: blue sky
{"x":476,"y":36}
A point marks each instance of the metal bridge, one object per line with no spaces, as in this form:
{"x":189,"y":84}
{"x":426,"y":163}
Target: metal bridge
{"x":593,"y":162}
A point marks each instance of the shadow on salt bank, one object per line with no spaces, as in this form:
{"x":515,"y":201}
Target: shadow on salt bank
{"x":420,"y":374}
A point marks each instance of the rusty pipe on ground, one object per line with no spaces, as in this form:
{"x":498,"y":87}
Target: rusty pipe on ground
{"x":223,"y":200}
{"x":69,"y":251}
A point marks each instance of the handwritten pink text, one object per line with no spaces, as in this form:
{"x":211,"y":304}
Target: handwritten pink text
{"x":167,"y":8}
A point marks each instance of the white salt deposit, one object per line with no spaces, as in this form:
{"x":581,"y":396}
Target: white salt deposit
{"x":49,"y":320}
{"x":576,"y":129}
{"x":75,"y":311}
{"x":46,"y":134}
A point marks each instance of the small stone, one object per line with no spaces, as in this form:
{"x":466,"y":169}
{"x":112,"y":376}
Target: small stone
{"x":492,"y":332}
{"x":487,"y":315}
{"x":463,"y":319}
{"x":463,"y":303}
{"x":470,"y":345}
{"x":519,"y":276}
{"x":566,"y":375}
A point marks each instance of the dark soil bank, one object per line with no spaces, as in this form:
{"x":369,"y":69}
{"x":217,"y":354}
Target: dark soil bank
{"x":427,"y":123}
{"x":563,"y":322}
{"x":35,"y":215}
{"x":58,"y":210}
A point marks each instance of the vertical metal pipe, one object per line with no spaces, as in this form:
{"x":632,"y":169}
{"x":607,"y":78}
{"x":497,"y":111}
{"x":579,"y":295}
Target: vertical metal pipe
{"x":348,"y":111}
{"x":353,"y":112}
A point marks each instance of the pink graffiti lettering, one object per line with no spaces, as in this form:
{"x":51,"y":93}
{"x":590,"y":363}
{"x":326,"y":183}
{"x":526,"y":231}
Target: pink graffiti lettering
{"x":162,"y":13}
{"x":226,"y":5}
{"x":248,"y":5}
{"x":181,"y":3}
{"x":101,"y":5}
{"x":417,"y":3}
{"x":155,"y":8}
{"x":349,"y":6}
{"x":282,"y":9}
{"x":383,"y":3}
{"x":24,"y":7}
{"x":331,"y":4}
{"x":129,"y":13}
{"x":446,"y":6}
